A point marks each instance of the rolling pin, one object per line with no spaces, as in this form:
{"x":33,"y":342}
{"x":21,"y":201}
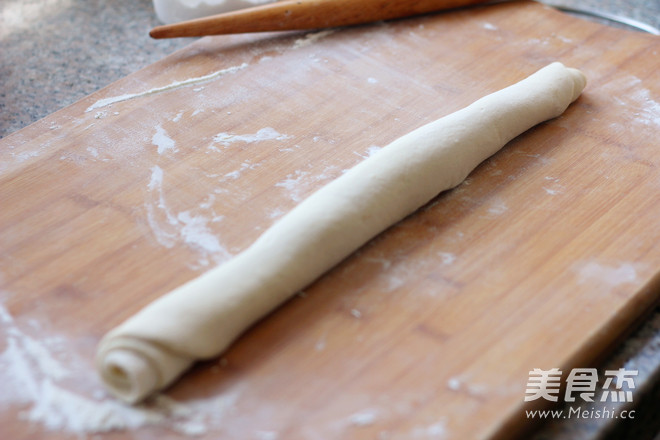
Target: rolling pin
{"x":304,"y":14}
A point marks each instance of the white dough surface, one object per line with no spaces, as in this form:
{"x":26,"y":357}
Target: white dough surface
{"x":172,"y":11}
{"x":200,"y":319}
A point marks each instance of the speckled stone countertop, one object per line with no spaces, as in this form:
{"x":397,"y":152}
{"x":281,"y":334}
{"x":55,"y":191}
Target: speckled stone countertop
{"x":55,"y":52}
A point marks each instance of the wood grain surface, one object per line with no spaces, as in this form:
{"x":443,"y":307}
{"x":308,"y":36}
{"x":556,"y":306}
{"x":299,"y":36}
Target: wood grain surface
{"x":543,"y":258}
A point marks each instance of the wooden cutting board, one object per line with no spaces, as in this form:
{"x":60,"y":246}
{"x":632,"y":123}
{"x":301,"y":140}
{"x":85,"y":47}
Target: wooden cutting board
{"x":543,"y":258}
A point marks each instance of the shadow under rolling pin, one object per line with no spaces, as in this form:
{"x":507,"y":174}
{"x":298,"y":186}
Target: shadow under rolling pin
{"x":304,"y":15}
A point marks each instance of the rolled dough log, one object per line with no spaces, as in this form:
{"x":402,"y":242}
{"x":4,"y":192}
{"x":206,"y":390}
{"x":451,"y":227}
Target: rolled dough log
{"x":201,"y":318}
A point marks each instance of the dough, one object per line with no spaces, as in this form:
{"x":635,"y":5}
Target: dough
{"x":201,"y":318}
{"x":172,"y":11}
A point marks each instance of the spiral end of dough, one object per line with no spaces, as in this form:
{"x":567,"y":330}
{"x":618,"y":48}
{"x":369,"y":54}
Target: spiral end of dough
{"x":579,"y":82}
{"x":132,"y":369}
{"x":128,"y":375}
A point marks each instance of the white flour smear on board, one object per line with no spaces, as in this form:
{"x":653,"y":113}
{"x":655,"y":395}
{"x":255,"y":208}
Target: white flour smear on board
{"x":265,"y":134}
{"x":612,"y":275}
{"x":172,"y":86}
{"x":185,"y":227}
{"x":649,"y":109}
{"x":311,"y":38}
{"x":192,"y":227}
{"x":640,"y":107}
{"x":55,"y":389}
{"x":163,"y":141}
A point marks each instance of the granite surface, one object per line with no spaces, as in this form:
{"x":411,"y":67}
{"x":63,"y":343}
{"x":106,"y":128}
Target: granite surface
{"x":55,"y":52}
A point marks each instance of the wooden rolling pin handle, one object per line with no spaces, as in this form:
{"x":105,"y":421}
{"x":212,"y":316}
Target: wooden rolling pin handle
{"x":305,"y":14}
